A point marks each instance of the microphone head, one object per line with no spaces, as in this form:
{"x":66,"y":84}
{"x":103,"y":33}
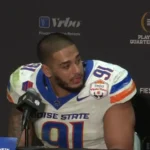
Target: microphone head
{"x":30,"y":99}
{"x":33,"y":91}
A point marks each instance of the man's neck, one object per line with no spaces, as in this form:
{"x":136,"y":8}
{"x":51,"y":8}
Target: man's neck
{"x":59,"y":92}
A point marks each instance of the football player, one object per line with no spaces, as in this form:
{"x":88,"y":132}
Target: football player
{"x":88,"y":103}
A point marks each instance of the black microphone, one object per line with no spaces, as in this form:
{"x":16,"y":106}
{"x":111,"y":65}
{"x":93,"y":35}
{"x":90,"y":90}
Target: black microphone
{"x":29,"y":103}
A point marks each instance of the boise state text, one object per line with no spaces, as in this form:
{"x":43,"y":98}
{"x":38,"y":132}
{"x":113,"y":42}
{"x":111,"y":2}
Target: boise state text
{"x":61,"y":116}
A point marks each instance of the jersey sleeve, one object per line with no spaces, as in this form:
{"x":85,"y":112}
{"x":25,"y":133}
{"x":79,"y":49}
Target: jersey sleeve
{"x":14,"y":87}
{"x":123,"y":87}
{"x":19,"y":80}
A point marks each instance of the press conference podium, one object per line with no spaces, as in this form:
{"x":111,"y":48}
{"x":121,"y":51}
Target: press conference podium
{"x":9,"y":143}
{"x":35,"y":148}
{"x":42,"y":148}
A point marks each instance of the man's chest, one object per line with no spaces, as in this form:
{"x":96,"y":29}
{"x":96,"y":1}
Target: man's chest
{"x":74,"y":123}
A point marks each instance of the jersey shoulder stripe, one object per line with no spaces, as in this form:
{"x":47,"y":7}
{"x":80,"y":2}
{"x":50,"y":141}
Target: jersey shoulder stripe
{"x":121,"y":84}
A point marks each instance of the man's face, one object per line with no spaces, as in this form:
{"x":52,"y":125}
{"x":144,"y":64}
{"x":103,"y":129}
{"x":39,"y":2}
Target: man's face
{"x":67,"y":69}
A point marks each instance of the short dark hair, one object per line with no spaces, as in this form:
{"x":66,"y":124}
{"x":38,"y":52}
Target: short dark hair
{"x":52,"y":43}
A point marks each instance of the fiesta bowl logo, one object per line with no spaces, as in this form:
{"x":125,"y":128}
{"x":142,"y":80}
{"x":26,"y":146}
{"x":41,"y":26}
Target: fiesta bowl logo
{"x":144,"y":90}
{"x":99,"y":89}
{"x":145,"y":22}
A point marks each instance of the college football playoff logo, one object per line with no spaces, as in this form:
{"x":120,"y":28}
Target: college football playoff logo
{"x":145,"y":22}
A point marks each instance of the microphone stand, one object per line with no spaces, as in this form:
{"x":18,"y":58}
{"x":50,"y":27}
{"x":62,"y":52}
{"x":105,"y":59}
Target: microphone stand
{"x":26,"y":134}
{"x":25,"y":126}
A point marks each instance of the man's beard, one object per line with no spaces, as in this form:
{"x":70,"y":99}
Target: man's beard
{"x":65,"y":86}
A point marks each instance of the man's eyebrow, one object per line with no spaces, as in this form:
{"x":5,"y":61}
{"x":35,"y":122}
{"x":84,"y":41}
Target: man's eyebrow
{"x":68,"y":61}
{"x":65,"y":62}
{"x":78,"y":55}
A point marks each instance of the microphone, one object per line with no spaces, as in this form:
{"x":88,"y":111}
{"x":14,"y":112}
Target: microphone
{"x":29,"y":103}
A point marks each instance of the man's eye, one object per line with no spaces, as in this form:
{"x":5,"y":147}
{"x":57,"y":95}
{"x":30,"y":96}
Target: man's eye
{"x":66,"y":66}
{"x":78,"y":60}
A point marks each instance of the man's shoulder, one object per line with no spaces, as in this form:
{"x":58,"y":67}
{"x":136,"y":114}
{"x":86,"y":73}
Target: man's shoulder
{"x":105,"y":70}
{"x":110,"y":79}
{"x":106,"y":65}
{"x":20,"y":80}
{"x":23,"y":73}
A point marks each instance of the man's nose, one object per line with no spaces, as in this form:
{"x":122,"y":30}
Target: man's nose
{"x":75,"y":69}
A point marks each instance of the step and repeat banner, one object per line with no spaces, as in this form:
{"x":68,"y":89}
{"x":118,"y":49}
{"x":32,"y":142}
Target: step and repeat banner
{"x":115,"y":32}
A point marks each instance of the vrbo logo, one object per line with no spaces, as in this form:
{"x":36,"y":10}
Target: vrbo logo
{"x":46,"y":22}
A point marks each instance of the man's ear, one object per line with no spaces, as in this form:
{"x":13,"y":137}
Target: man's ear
{"x":46,"y":71}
